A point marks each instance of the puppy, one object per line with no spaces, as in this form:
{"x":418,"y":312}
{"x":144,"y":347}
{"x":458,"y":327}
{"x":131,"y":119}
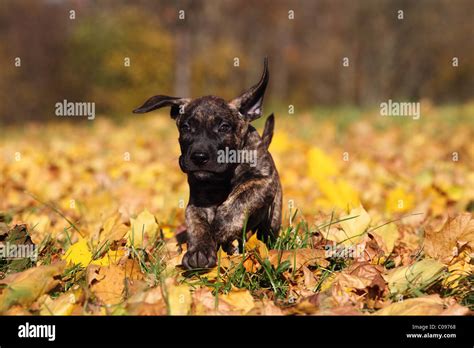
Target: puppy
{"x":233,"y":182}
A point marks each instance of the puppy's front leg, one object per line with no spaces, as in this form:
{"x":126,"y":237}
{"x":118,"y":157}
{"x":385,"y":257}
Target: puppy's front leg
{"x":247,"y":200}
{"x":201,"y":246}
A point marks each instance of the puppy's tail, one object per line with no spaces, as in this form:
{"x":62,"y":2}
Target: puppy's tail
{"x":268,"y":131}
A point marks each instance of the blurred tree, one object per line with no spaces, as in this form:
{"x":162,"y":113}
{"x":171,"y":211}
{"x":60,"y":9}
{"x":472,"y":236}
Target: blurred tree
{"x":118,"y":60}
{"x":84,"y":59}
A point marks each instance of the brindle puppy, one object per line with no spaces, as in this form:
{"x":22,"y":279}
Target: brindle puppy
{"x":224,"y":196}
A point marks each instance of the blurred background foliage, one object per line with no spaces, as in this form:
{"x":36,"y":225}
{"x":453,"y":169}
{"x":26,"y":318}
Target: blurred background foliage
{"x":82,"y":59}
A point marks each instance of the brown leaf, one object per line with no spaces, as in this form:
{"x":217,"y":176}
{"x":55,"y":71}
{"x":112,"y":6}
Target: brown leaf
{"x":266,"y":307}
{"x":149,"y":302}
{"x":299,"y":257}
{"x":371,"y":274}
{"x":107,"y":283}
{"x":205,"y":303}
{"x":428,"y":305}
{"x":443,"y":244}
{"x":361,"y":284}
{"x":309,"y":278}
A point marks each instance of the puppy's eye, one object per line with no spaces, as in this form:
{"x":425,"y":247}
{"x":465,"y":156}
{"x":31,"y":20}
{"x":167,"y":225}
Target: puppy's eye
{"x":225,"y":128}
{"x":184,"y":127}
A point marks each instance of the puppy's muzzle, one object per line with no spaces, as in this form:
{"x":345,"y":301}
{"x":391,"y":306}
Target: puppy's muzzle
{"x":200,"y":158}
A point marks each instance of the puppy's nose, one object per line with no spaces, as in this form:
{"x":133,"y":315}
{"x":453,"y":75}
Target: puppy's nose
{"x":199,"y":158}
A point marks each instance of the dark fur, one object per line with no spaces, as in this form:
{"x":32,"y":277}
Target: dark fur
{"x":224,"y":196}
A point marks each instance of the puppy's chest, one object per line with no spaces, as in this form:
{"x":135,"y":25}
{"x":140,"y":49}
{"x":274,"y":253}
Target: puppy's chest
{"x":210,"y":213}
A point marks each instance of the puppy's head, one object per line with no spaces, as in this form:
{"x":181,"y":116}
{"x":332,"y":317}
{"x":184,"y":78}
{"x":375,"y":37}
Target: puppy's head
{"x":209,"y":124}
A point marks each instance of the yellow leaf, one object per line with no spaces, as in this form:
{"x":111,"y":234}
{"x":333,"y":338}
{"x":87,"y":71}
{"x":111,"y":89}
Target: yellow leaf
{"x":421,"y":273}
{"x":327,"y":282}
{"x":167,"y":232}
{"x":63,"y":305}
{"x":179,"y":299}
{"x":353,"y":227}
{"x":240,"y":299}
{"x":337,"y":193}
{"x":389,"y":234}
{"x":320,"y":165}
{"x":280,"y":142}
{"x":253,"y":244}
{"x":459,"y":269}
{"x":79,"y":253}
{"x":112,"y":230}
{"x":251,"y":263}
{"x":25,"y":287}
{"x":398,"y":201}
{"x":143,"y":229}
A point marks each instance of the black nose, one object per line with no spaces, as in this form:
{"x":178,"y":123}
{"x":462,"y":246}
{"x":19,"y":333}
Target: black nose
{"x":199,"y":158}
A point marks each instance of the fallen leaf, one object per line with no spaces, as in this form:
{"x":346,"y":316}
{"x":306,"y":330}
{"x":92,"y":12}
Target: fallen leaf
{"x":460,"y":268}
{"x":389,"y":235}
{"x":79,"y":253}
{"x":309,"y":278}
{"x":240,"y":299}
{"x":62,"y":305}
{"x":149,"y":302}
{"x":112,"y":230}
{"x":25,"y":287}
{"x":265,"y":307}
{"x":143,"y":229}
{"x":369,"y":273}
{"x":205,"y":303}
{"x":254,"y":245}
{"x":428,"y":305}
{"x":299,"y":257}
{"x":443,"y":244}
{"x":421,"y":273}
{"x":178,"y":298}
{"x":353,"y":227}
{"x":107,"y":283}
{"x":320,"y":165}
{"x":399,"y":200}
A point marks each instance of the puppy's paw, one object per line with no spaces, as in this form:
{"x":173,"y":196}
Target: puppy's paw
{"x":200,"y":258}
{"x":230,"y":248}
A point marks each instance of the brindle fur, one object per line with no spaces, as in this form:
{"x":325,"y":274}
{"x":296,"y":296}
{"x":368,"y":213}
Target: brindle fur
{"x":224,"y":197}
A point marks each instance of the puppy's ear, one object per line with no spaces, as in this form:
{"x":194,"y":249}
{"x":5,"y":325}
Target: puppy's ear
{"x":250,"y":102}
{"x":160,"y":101}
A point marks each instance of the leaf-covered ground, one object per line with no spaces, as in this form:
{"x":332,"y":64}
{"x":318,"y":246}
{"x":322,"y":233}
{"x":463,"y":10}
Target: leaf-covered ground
{"x":377,"y":219}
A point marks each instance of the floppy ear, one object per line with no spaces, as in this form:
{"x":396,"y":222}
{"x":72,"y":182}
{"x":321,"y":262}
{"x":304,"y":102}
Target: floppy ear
{"x":160,"y":101}
{"x":250,"y":102}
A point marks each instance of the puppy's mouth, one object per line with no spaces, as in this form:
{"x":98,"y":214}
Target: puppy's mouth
{"x":202,"y":174}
